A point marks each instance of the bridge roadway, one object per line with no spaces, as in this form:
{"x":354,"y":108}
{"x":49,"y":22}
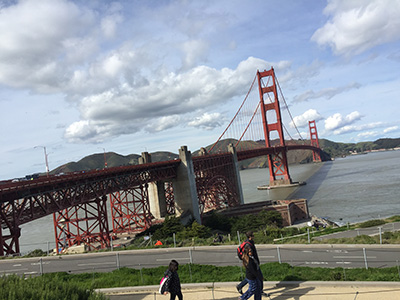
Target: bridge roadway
{"x":330,"y":256}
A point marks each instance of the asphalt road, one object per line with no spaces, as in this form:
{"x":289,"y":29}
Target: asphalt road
{"x":348,"y":256}
{"x":371,"y":231}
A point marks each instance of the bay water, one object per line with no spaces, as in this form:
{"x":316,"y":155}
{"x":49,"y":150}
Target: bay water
{"x":351,"y":189}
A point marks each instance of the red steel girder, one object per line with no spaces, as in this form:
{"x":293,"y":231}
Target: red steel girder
{"x":169,"y":198}
{"x":107,"y":180}
{"x":42,"y":199}
{"x":25,"y":201}
{"x":130,"y":209}
{"x":9,"y":238}
{"x":85,"y":223}
{"x":215,"y":181}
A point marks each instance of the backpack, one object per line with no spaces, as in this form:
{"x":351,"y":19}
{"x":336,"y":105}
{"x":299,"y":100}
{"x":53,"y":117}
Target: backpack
{"x":240,"y":249}
{"x":164,"y":284}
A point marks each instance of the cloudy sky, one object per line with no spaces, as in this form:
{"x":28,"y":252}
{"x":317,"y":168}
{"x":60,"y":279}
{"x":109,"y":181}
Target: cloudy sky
{"x":81,"y":77}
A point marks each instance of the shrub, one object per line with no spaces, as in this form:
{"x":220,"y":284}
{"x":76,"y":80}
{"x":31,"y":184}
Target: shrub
{"x":196,"y":230}
{"x":371,"y":223}
{"x":216,"y":221}
{"x":36,"y":253}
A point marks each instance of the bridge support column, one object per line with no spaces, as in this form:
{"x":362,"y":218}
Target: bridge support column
{"x":277,"y":163}
{"x":314,"y":140}
{"x":232,"y":150}
{"x":156,"y":192}
{"x":185,"y":192}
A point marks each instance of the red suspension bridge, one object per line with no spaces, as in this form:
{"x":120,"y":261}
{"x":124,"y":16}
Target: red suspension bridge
{"x":140,"y":195}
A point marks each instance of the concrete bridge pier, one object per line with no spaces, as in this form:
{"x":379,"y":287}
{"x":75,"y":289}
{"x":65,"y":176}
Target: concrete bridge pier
{"x":156,"y":192}
{"x":185,"y":191}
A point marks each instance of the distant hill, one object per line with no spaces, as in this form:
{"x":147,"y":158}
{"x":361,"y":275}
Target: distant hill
{"x":330,"y":149}
{"x":343,"y":149}
{"x":96,"y":161}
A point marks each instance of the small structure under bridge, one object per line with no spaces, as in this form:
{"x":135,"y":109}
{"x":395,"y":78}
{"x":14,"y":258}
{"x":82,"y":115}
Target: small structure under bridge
{"x":140,"y":195}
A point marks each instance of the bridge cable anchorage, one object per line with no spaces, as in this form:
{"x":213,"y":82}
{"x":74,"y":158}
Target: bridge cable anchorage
{"x":290,"y":114}
{"x":251,"y":87}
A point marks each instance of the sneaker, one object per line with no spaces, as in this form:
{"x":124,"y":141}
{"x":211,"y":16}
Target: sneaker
{"x":239,"y":289}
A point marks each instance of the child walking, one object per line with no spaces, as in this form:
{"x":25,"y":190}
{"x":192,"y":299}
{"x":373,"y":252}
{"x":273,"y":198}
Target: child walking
{"x":174,"y":284}
{"x":252,"y":274}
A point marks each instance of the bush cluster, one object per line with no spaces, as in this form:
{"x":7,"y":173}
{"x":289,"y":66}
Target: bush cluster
{"x":50,"y":288}
{"x":268,"y":223}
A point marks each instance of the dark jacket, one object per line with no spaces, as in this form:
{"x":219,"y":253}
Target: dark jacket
{"x":174,"y":284}
{"x":254,"y":250}
{"x":253,"y":269}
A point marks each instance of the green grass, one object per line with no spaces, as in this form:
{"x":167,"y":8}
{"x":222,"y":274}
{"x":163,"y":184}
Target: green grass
{"x":60,"y":286}
{"x":193,"y":273}
{"x":46,"y":288}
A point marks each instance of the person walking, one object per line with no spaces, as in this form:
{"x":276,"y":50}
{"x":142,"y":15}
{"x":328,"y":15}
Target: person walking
{"x":251,"y":243}
{"x":174,"y":285}
{"x":253,"y":275}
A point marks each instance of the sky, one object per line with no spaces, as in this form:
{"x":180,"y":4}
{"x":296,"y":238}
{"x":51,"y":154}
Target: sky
{"x":84,"y":77}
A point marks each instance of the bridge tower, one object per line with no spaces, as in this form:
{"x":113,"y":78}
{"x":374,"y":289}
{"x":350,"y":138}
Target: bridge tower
{"x":314,"y":140}
{"x":277,"y":162}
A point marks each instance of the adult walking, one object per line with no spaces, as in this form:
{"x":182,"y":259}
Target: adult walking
{"x":174,"y":285}
{"x":250,"y":241}
{"x":253,"y":275}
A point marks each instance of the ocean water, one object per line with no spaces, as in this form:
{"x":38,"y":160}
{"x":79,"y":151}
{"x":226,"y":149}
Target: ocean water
{"x":352,"y":189}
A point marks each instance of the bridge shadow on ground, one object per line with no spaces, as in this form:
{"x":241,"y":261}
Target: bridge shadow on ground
{"x":313,"y":183}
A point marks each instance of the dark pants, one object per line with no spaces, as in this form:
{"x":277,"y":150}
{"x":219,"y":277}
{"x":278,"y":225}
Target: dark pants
{"x":254,"y":289}
{"x":244,"y":282}
{"x":179,"y":294}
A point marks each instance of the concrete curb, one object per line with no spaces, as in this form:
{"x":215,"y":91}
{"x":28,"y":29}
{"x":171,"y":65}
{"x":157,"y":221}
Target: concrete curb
{"x":210,"y":285}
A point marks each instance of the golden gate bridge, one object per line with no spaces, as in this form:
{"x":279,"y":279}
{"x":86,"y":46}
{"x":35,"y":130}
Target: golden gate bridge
{"x":140,"y":195}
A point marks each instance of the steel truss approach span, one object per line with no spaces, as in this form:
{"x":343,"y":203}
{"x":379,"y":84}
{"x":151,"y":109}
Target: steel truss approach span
{"x":216,"y":181}
{"x":22,"y":202}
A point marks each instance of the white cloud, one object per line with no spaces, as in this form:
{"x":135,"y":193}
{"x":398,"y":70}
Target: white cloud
{"x":337,"y":120}
{"x":171,"y":94}
{"x":391,"y":129}
{"x":195,"y":51}
{"x":356,"y":26}
{"x":327,"y":93}
{"x":367,"y":134}
{"x":353,"y":128}
{"x":110,"y":22}
{"x":163,"y":123}
{"x":302,"y":120}
{"x":35,"y":35}
{"x":207,"y":121}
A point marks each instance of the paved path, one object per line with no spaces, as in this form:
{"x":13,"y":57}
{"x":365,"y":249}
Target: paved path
{"x":390,"y":227}
{"x":311,"y":290}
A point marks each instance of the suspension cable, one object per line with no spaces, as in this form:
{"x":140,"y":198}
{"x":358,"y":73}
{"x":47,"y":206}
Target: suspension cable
{"x":290,"y":114}
{"x":252,"y":117}
{"x":251,"y":87}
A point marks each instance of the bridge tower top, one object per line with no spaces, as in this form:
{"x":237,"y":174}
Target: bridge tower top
{"x":278,"y":164}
